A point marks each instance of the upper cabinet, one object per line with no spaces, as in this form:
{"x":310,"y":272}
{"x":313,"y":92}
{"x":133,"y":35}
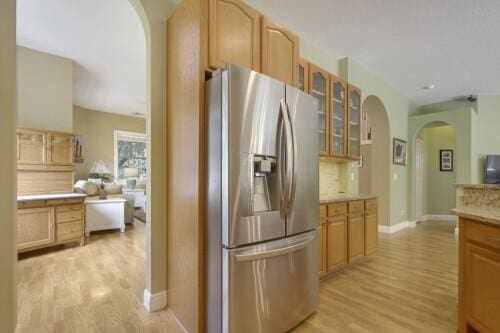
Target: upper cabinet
{"x":338,"y":117}
{"x":234,"y":34}
{"x":36,"y":147}
{"x":303,"y":75}
{"x":319,"y":87}
{"x":60,"y":148}
{"x":354,"y":121}
{"x":280,"y":52}
{"x":31,"y":146}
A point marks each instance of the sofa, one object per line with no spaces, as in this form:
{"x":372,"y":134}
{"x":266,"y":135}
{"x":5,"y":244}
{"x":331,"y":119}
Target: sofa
{"x":112,"y":190}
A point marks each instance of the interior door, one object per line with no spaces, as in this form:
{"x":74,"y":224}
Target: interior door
{"x":303,"y":204}
{"x":270,"y":287}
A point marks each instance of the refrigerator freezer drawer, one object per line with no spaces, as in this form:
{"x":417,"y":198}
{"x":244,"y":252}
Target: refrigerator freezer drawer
{"x":270,"y":287}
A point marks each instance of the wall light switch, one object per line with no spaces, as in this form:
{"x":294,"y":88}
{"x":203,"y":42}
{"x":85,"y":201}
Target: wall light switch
{"x":352,"y":176}
{"x":395,"y":176}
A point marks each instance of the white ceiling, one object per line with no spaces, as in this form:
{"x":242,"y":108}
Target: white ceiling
{"x":106,"y":41}
{"x":453,"y":44}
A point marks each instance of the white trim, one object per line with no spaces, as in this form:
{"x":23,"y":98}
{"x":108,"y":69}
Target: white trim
{"x":450,"y":218}
{"x":397,"y":227}
{"x":155,"y":302}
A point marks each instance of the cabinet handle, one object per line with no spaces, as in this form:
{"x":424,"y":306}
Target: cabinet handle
{"x":492,"y":239}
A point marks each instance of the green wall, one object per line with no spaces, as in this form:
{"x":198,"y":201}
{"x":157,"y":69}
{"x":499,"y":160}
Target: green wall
{"x":439,"y":190}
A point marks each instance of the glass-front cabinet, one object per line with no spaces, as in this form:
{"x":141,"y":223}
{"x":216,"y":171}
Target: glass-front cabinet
{"x":354,"y":121}
{"x":338,"y":111}
{"x":319,"y":88}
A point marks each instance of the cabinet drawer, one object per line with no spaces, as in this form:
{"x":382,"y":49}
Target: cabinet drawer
{"x":356,"y":206}
{"x":68,"y":214}
{"x":69,"y":208}
{"x":69,"y":230}
{"x":483,"y":234}
{"x":337,"y":208}
{"x":371,"y":204}
{"x":322,"y":211}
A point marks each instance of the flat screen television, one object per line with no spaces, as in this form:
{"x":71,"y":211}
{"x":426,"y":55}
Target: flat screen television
{"x":493,"y":169}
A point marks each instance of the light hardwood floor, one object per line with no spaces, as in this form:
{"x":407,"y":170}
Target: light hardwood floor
{"x":94,"y":288}
{"x":409,"y":286}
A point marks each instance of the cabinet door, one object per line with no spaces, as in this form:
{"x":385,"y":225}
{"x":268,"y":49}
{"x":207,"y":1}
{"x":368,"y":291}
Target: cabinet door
{"x":234,"y":34}
{"x":356,"y":230}
{"x":319,"y":88}
{"x":60,"y":148}
{"x":354,"y":117}
{"x":303,"y":75}
{"x":482,"y":292}
{"x":280,"y":53}
{"x":338,"y":119}
{"x":322,"y":249}
{"x":31,"y":146}
{"x":371,"y":232}
{"x":35,"y":227}
{"x":337,"y":243}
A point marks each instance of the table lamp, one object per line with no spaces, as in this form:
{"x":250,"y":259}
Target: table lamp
{"x":131,"y":174}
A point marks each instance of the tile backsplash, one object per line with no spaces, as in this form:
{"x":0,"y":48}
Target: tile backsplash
{"x":333,"y":178}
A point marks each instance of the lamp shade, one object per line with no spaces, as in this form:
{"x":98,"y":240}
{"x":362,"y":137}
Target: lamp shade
{"x":100,"y":167}
{"x":131,"y":172}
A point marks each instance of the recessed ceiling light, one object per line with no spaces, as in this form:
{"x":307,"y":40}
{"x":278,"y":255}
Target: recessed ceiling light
{"x":429,"y":87}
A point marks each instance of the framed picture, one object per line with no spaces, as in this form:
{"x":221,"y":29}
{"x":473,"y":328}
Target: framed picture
{"x":446,"y":160}
{"x":399,"y":151}
{"x":78,"y":156}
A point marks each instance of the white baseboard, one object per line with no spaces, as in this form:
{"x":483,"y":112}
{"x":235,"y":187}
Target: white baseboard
{"x":450,"y":218}
{"x":155,"y":302}
{"x":390,"y":229}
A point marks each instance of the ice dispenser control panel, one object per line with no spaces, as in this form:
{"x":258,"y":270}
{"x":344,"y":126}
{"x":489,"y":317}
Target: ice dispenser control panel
{"x":264,"y":183}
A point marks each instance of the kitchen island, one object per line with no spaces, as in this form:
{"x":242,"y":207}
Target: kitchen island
{"x":348,"y":231}
{"x":478,"y":209}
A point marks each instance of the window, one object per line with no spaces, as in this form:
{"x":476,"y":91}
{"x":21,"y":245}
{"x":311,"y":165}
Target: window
{"x":130,"y":152}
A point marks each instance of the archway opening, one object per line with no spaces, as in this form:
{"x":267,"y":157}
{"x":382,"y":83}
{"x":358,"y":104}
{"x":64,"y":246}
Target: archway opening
{"x":374,"y":174}
{"x":435,"y":171}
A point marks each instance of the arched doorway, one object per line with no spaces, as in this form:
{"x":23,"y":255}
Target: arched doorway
{"x":435,"y":172}
{"x":374,"y":175}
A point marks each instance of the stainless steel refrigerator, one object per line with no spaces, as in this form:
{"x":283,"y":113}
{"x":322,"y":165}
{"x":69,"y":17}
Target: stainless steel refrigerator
{"x":262,"y":203}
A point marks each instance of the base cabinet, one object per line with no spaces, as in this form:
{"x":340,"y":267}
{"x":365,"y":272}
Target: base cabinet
{"x":348,"y":233}
{"x":479,"y":277}
{"x":49,"y":222}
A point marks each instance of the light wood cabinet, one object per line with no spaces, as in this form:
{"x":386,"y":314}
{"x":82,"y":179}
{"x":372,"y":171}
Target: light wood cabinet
{"x":280,"y":52}
{"x":354,"y":121}
{"x":35,"y":227}
{"x":479,"y":276}
{"x":337,"y":243}
{"x":319,"y":80}
{"x":31,"y":146}
{"x":356,"y":240}
{"x":303,"y":75}
{"x":322,"y":245}
{"x":338,"y":117}
{"x":49,"y":222}
{"x":234,"y":34}
{"x":60,"y":148}
{"x":371,"y":232}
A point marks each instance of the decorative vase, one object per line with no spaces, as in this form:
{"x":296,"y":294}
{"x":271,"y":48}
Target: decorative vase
{"x":131,"y":183}
{"x":103,"y":195}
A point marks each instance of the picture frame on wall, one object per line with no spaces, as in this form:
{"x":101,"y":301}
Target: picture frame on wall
{"x":446,"y":160}
{"x":399,"y":151}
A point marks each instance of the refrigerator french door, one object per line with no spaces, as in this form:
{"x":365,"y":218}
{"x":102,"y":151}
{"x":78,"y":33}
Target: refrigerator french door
{"x":262,"y":203}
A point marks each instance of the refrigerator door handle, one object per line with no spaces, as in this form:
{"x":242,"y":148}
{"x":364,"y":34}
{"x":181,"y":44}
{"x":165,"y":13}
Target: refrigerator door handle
{"x":293,"y":176}
{"x":275,"y":252}
{"x":286,"y":159}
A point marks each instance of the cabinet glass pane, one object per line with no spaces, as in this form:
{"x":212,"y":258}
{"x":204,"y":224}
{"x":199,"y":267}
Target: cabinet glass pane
{"x":354,"y":122}
{"x":319,"y":91}
{"x":337,"y":119}
{"x":301,"y":78}
{"x":61,"y":140}
{"x":31,"y":137}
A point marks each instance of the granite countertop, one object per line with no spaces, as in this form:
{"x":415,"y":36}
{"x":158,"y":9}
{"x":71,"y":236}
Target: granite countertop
{"x":483,"y":215}
{"x":479,"y":186}
{"x":340,"y":197}
{"x":50,"y":196}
